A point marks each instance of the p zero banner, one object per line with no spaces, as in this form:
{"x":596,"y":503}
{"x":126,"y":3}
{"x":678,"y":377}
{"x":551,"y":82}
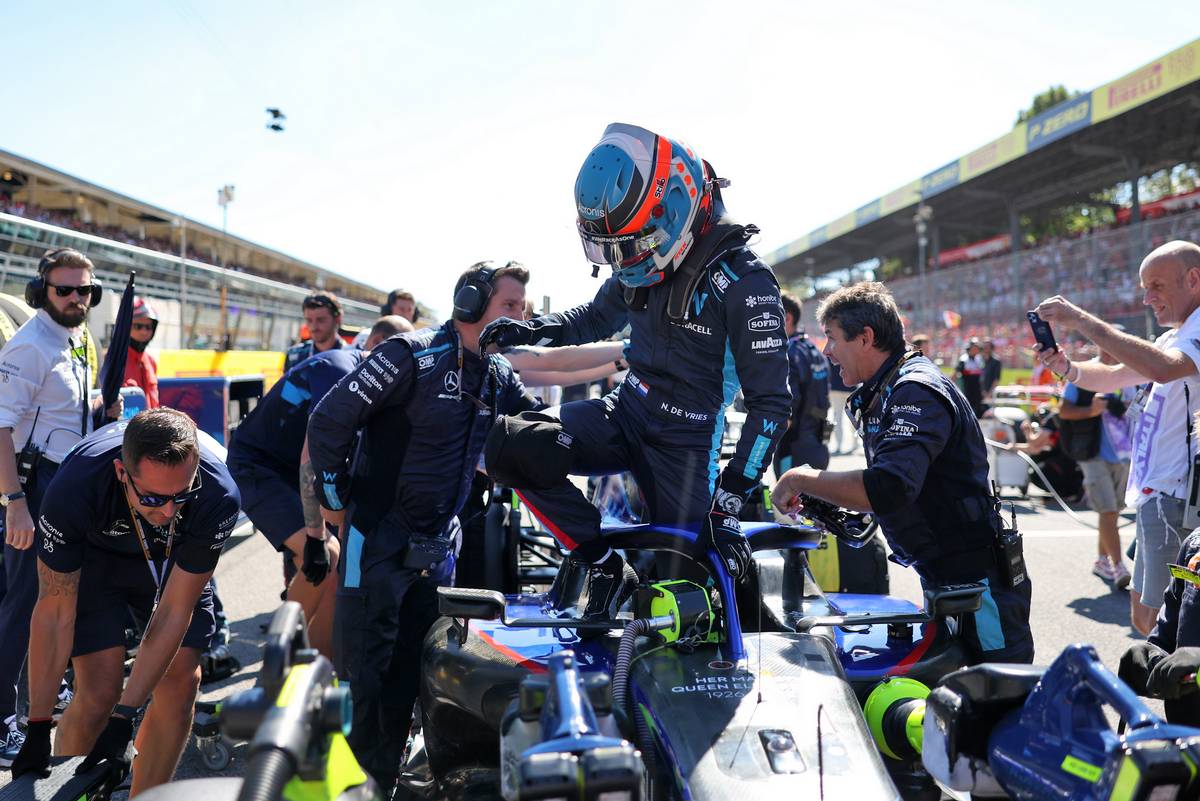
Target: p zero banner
{"x":1062,"y":120}
{"x":1175,"y":69}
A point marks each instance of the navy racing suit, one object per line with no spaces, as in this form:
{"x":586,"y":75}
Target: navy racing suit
{"x":665,"y":421}
{"x":808,"y":377}
{"x":264,"y":456}
{"x":424,"y":405}
{"x":927,"y":481}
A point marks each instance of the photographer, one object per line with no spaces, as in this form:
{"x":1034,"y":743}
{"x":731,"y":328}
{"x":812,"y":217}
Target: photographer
{"x":1162,"y":446}
{"x":1094,"y":430}
{"x":927,"y":471}
{"x":44,"y":410}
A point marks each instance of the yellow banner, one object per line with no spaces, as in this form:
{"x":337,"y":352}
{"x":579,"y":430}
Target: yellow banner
{"x":1175,"y":69}
{"x":993,"y":154}
{"x":905,"y":196}
{"x":204,"y":363}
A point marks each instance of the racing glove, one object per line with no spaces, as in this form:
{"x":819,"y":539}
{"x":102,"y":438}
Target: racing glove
{"x":316,"y":560}
{"x":34,"y":756}
{"x":1175,"y":674}
{"x":1137,"y":664}
{"x":506,"y":333}
{"x":111,"y":751}
{"x":722,"y":530}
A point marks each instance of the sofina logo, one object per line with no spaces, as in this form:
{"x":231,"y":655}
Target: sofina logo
{"x":764,"y":322}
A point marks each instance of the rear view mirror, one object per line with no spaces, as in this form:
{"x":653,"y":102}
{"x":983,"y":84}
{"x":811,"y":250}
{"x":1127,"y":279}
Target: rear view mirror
{"x":470,"y":604}
{"x":953,"y":599}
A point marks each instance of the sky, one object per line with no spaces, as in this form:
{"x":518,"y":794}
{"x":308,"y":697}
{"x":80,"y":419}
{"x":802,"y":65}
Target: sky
{"x":423,"y":137}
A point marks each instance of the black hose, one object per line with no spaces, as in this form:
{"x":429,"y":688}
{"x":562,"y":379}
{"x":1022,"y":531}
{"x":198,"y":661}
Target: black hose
{"x":267,"y":771}
{"x":623,"y":698}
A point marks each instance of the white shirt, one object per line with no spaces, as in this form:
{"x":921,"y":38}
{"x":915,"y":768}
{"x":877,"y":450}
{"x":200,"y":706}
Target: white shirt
{"x":44,"y":367}
{"x":1160,"y":457}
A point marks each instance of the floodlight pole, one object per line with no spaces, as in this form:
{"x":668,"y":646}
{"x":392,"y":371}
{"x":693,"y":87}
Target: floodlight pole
{"x":921,"y":222}
{"x":224,"y":198}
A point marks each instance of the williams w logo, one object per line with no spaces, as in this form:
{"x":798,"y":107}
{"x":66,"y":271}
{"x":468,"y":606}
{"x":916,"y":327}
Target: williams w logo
{"x":329,"y":477}
{"x":698,"y":302}
{"x":769,"y":427}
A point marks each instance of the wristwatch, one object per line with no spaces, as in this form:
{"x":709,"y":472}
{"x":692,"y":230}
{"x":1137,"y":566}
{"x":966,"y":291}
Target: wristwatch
{"x":7,"y":498}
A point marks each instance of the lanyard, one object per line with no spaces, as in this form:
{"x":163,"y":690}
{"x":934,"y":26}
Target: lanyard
{"x":858,"y":413}
{"x":145,"y":543}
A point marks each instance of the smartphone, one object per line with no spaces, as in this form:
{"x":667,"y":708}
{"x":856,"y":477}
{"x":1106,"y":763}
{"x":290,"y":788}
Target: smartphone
{"x":1041,"y":331}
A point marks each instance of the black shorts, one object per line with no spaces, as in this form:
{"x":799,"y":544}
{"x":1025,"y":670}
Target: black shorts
{"x":112,"y":587}
{"x":269,"y":499}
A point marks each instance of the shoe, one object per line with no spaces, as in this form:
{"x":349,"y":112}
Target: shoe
{"x":1103,"y":569}
{"x":1121,"y":576}
{"x":65,"y":696}
{"x":608,"y":585}
{"x":13,"y":740}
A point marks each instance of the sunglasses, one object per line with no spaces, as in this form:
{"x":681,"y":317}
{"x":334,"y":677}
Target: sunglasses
{"x":62,"y":291}
{"x":143,"y":326}
{"x":152,"y":501}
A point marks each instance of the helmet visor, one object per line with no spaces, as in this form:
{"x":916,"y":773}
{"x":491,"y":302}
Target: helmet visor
{"x":621,"y":250}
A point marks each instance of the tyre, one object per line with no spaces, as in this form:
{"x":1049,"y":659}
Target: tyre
{"x":215,"y":753}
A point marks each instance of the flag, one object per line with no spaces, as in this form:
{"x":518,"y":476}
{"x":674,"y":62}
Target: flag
{"x":112,"y":372}
{"x":951,"y":319}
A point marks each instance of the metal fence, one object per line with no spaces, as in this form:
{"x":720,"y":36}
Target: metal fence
{"x":259,"y":313}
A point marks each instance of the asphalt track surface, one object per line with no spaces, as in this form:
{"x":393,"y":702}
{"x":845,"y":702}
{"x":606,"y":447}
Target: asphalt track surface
{"x":1069,"y":603}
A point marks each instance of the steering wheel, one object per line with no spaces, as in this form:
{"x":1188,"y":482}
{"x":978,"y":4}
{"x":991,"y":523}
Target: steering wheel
{"x":856,"y":528}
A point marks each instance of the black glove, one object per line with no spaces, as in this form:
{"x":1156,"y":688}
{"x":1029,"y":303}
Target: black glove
{"x":316,"y":560}
{"x":111,"y":751}
{"x":722,"y":531}
{"x":34,"y":756}
{"x":1170,"y":677}
{"x":1136,"y":664}
{"x":506,"y":333}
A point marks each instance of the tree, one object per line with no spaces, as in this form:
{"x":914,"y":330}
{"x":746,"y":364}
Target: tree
{"x":1046,"y":101}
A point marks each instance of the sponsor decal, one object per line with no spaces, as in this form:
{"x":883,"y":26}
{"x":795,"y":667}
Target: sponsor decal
{"x":119,"y":528}
{"x":907,"y":408}
{"x":727,"y":502}
{"x":565,"y":439}
{"x":703,"y":330}
{"x":766,"y":344}
{"x":390,"y":365}
{"x":698,"y":302}
{"x":450,"y":382}
{"x":860,"y":653}
{"x":770,"y":426}
{"x":660,"y":186}
{"x":902,"y":428}
{"x":329,"y":477}
{"x":764,"y":322}
{"x":590,"y":212}
{"x":759,"y":300}
{"x":638,"y":384}
{"x":720,"y":281}
{"x":425,"y":362}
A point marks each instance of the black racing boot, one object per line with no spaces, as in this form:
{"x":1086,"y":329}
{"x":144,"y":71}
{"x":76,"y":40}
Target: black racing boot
{"x":609,"y":583}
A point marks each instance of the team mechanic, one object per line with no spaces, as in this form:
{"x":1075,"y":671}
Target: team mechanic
{"x":265,"y":460}
{"x":808,"y":376}
{"x":704,"y":312}
{"x":927,"y":470}
{"x":425,"y":401}
{"x":135,"y":519}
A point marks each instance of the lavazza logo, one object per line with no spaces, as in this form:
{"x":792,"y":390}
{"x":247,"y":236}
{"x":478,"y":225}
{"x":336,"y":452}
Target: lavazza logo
{"x":764,"y":322}
{"x":766,"y":344}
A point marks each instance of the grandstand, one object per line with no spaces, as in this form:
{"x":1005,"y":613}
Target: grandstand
{"x":1132,"y":127}
{"x":209,"y":286}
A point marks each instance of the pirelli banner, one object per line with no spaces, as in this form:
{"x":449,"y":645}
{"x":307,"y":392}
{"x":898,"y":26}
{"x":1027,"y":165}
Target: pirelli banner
{"x":1170,"y":72}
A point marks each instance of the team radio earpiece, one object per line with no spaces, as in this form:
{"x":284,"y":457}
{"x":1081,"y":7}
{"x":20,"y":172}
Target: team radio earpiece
{"x":472,"y":296}
{"x":36,"y":289}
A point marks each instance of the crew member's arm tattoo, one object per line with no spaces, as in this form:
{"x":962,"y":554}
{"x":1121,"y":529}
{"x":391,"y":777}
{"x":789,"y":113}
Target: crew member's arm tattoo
{"x":523,"y":350}
{"x":52,"y":584}
{"x":308,"y":497}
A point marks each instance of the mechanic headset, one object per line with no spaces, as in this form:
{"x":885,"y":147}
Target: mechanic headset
{"x":36,"y":289}
{"x":472,"y":294}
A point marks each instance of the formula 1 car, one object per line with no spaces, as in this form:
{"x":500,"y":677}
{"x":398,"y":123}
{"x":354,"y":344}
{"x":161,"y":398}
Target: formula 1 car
{"x":712,"y":690}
